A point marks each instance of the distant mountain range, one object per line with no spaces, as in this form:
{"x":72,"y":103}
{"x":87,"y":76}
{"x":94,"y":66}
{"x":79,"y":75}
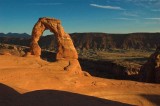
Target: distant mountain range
{"x":14,"y":35}
{"x":95,"y":41}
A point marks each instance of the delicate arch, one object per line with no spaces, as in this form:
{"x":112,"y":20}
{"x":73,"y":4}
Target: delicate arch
{"x":66,"y":48}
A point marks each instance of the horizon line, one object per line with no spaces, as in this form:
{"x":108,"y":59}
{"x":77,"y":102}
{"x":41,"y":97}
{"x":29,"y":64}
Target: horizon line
{"x":85,"y":32}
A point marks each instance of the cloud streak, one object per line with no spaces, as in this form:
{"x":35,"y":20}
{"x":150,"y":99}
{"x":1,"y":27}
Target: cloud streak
{"x":130,"y":14}
{"x":152,"y":18}
{"x":107,"y":7}
{"x":156,"y":10}
{"x":127,"y":19}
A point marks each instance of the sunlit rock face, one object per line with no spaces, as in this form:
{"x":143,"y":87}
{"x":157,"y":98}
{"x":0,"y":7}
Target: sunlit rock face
{"x":65,"y":50}
{"x":150,"y":71}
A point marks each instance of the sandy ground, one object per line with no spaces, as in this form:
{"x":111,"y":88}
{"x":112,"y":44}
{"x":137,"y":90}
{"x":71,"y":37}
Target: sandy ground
{"x":30,"y":81}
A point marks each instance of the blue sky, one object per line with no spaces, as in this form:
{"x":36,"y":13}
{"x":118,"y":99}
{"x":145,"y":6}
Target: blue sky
{"x":110,"y":16}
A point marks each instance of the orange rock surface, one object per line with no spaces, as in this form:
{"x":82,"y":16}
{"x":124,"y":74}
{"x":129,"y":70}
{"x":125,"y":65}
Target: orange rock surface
{"x":28,"y":81}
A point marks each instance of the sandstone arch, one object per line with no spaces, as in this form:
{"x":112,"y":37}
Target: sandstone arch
{"x":66,"y":49}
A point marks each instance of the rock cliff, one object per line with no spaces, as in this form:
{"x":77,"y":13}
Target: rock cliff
{"x":94,"y":41}
{"x":150,"y":71}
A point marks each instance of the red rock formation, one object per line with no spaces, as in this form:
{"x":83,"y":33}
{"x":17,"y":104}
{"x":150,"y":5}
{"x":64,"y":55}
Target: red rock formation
{"x":150,"y":71}
{"x":66,"y":49}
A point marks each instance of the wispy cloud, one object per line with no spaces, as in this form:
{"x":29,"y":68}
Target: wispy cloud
{"x":127,"y":19}
{"x":45,"y":4}
{"x":145,"y":3}
{"x":156,"y":10}
{"x":130,"y":14}
{"x":153,"y":19}
{"x":151,"y":22}
{"x":107,"y":7}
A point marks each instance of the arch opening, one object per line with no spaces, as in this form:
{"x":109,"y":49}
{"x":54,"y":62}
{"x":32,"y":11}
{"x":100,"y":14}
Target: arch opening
{"x":48,"y":44}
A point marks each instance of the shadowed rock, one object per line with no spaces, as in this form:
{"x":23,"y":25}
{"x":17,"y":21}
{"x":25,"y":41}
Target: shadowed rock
{"x":150,"y":71}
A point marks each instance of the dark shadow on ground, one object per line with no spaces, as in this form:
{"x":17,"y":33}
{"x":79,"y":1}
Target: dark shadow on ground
{"x":155,"y":99}
{"x":48,"y":56}
{"x":10,"y":97}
